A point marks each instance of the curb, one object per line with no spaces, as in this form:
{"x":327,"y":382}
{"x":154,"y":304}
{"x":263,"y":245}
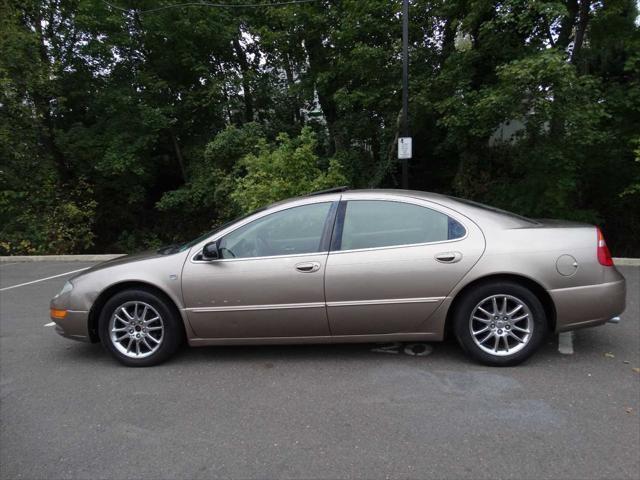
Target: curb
{"x":628,"y":262}
{"x":59,"y":258}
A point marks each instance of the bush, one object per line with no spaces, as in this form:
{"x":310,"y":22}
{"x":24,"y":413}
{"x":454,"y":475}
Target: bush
{"x":51,"y":219}
{"x":287,"y":169}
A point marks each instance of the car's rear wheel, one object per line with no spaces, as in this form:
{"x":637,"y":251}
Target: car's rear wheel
{"x":500,"y":323}
{"x":139,"y":328}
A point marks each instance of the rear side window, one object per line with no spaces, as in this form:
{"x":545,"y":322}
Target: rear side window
{"x":380,"y":223}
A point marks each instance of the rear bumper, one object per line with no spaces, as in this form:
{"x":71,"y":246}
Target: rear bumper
{"x":74,"y":325}
{"x":588,"y":306}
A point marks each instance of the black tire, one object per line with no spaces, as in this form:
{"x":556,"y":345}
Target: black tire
{"x":466,"y":306}
{"x":172,"y":336}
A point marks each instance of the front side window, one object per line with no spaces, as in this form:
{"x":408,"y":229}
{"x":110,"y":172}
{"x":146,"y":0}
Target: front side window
{"x":287,"y":232}
{"x":379,"y":223}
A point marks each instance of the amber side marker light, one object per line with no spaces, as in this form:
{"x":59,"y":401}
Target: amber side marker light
{"x":60,"y":314}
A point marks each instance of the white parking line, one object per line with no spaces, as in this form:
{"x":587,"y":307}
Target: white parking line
{"x":42,"y":279}
{"x":50,"y":324}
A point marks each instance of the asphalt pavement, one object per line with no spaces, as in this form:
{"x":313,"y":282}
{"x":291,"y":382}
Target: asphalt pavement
{"x":67,"y":410}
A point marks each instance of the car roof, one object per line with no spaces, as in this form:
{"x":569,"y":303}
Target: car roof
{"x":333,"y":193}
{"x":474,"y":210}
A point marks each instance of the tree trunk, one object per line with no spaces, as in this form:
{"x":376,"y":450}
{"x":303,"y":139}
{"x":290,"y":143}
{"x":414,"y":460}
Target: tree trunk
{"x":42,"y":102}
{"x":581,"y":27}
{"x":179,"y":157}
{"x":295,"y":104}
{"x":577,"y":18}
{"x":318,"y":62}
{"x":245,"y":71}
{"x":448,"y":41}
{"x":566,"y":25}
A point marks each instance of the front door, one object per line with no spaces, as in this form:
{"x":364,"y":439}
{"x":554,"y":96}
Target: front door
{"x":268,"y":281}
{"x":393,"y":264}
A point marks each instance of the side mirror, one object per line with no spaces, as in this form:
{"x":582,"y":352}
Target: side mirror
{"x":210,"y":251}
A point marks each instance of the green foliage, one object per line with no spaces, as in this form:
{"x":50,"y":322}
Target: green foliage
{"x":288,"y":169}
{"x":125,"y":130}
{"x":212,"y":179}
{"x":538,"y":169}
{"x":47,"y":220}
{"x":242,"y":171}
{"x":538,"y":124}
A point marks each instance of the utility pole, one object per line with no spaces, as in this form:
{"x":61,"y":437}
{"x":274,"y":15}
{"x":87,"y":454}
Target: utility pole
{"x":405,"y":141}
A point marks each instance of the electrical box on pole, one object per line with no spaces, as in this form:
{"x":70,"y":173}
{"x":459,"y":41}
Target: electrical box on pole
{"x":404,"y":148}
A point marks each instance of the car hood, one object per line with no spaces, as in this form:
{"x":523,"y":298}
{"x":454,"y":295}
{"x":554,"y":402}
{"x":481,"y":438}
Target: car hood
{"x":124,"y":260}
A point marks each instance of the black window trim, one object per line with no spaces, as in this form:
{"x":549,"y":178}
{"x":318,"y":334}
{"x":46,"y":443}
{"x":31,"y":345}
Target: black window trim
{"x":336,"y":241}
{"x":336,"y":238}
{"x":329,"y":225}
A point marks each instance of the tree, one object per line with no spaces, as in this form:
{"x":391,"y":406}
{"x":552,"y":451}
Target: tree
{"x":123,"y":128}
{"x":288,"y":169}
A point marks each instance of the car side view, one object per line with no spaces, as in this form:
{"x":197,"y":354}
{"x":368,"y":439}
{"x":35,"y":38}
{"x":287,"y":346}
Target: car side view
{"x":352,"y":266}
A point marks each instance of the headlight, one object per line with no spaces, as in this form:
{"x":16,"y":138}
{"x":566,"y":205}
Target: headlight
{"x":68,"y":286}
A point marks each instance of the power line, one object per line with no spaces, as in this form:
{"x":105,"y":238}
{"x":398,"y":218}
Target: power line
{"x":212,"y":5}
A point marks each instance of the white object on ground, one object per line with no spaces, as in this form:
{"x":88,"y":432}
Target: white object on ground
{"x":565,"y":343}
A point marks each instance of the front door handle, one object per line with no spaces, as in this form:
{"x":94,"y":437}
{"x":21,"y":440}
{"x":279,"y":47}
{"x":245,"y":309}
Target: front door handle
{"x":448,"y":257}
{"x":308,"y":267}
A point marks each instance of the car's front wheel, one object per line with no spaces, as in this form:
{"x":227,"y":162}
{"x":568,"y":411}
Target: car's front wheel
{"x":139,"y":328}
{"x":500,"y":323}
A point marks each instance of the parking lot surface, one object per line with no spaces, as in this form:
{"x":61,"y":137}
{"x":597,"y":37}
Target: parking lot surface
{"x":67,"y":410}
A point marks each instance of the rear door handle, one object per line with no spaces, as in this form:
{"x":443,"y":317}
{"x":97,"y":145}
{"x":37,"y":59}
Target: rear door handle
{"x":448,"y":257}
{"x":308,"y":267}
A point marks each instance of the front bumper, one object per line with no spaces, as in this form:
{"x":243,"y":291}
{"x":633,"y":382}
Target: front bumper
{"x":75,"y":325}
{"x":588,"y":306}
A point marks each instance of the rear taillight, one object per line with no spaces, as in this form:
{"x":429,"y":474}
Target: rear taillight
{"x":604,"y":255}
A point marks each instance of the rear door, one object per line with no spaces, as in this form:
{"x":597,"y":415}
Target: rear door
{"x":392,"y":263}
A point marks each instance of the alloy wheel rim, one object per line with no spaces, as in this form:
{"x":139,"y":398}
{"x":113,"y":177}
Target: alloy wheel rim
{"x":136,"y":329}
{"x":501,"y":325}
